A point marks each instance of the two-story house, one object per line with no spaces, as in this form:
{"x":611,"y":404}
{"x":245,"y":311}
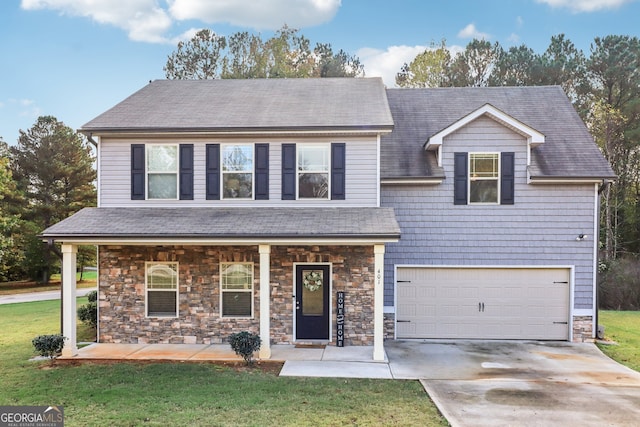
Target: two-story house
{"x":274,"y":205}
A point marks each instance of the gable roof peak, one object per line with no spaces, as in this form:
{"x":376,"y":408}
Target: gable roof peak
{"x":534,"y":137}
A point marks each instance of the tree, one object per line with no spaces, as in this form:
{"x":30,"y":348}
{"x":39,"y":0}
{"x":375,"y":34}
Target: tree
{"x":613,"y":97}
{"x":563,"y":64}
{"x":473,"y":66}
{"x":10,"y":254}
{"x":199,"y":58}
{"x":341,"y":64}
{"x":53,"y":167}
{"x":428,"y":69}
{"x":519,"y":66}
{"x":246,"y":56}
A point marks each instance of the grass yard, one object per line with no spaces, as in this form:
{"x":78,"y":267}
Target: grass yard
{"x":151,"y":394}
{"x":10,"y":288}
{"x":623,"y":327}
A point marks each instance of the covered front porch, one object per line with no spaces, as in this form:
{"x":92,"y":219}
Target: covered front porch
{"x":364,"y":228}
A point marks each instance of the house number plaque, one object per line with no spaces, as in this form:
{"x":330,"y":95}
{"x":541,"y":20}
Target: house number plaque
{"x":340,"y":319}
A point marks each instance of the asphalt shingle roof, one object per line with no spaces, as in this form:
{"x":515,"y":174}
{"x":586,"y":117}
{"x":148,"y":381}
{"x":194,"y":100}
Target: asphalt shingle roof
{"x":250,"y":105}
{"x":568,"y":152}
{"x":228,"y":223}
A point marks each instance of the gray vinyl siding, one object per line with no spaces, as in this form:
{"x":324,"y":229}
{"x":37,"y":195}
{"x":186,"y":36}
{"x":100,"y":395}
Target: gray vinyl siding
{"x":361,"y":173}
{"x":539,"y":229}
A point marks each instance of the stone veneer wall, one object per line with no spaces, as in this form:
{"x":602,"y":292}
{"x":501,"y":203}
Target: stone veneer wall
{"x":122,"y":292}
{"x":583,"y":329}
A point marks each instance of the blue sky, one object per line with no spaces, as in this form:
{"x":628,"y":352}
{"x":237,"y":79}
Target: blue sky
{"x":74,"y":59}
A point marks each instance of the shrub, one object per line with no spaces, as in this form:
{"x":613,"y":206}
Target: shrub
{"x":92,"y":296}
{"x":48,"y":345}
{"x":245,"y":344}
{"x":88,"y":314}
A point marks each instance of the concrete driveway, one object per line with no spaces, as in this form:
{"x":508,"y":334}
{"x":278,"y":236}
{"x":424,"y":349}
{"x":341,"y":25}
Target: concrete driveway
{"x":518,"y":383}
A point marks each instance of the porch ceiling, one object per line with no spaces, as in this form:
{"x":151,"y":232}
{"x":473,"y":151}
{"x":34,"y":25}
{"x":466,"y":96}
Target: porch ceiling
{"x":227,"y":226}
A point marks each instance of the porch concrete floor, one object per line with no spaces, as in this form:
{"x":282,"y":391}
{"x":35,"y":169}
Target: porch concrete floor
{"x":331,"y":361}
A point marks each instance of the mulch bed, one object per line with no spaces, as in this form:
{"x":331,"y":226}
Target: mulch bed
{"x":272,"y":367}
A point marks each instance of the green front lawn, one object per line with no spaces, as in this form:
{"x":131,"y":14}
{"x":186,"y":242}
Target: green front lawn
{"x":622,"y":327}
{"x":152,"y":394}
{"x":89,"y":280}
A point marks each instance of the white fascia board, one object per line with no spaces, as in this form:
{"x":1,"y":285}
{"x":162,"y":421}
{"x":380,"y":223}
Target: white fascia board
{"x":543,"y":181}
{"x":534,"y":138}
{"x":412,"y":181}
{"x":225,"y":242}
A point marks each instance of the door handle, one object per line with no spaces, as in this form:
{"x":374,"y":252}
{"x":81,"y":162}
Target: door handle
{"x":480,"y":307}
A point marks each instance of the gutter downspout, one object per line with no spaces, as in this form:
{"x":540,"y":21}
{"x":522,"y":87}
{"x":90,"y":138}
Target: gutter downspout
{"x":91,"y":140}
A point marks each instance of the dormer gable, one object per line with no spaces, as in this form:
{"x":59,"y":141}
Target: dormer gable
{"x":533,"y":137}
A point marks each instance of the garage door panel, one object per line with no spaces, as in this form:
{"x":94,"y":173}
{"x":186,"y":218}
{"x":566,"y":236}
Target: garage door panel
{"x":492,"y":303}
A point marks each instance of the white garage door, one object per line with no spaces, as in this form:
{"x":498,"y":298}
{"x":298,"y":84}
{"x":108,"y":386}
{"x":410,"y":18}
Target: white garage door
{"x":483,"y":303}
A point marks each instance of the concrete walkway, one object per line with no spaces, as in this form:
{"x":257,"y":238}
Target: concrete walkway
{"x":330,"y":361}
{"x":38,"y":296}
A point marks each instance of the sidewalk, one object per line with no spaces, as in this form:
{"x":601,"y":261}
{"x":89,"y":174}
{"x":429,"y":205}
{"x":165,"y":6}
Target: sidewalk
{"x":331,"y":361}
{"x":39,"y":296}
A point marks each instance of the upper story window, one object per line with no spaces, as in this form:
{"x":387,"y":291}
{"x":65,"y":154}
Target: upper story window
{"x":162,"y":171}
{"x":237,"y":171}
{"x":484,"y":178}
{"x":484,"y":174}
{"x":313,"y":171}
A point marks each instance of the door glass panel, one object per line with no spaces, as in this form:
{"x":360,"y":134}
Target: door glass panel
{"x":312,"y":293}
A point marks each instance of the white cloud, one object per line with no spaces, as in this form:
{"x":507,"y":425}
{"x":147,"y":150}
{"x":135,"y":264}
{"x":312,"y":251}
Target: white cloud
{"x":519,"y":21}
{"x":150,"y":20}
{"x":387,"y":63}
{"x":144,"y":20}
{"x":23,"y":107}
{"x":513,"y":38}
{"x":263,"y":14}
{"x":578,"y":6}
{"x":471,"y":32}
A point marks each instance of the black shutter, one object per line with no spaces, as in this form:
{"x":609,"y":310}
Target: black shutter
{"x":186,"y":171}
{"x":288,"y":171}
{"x":262,"y":172}
{"x":213,"y":171}
{"x":137,"y":172}
{"x":507,"y":179}
{"x":338,"y":167}
{"x":460,"y":176}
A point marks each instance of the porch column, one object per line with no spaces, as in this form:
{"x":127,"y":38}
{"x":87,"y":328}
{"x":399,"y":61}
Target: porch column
{"x":378,"y":304}
{"x":265,"y":301}
{"x":69,"y":253}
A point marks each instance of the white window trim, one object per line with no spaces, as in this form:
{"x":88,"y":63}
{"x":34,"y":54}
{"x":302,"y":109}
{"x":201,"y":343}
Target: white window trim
{"x":147,"y":265}
{"x":298,"y":171}
{"x":147,"y":172}
{"x":252,"y":171}
{"x":250,"y":291}
{"x":498,"y":178}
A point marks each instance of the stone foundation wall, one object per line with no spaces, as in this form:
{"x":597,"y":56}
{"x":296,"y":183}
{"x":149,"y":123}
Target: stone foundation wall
{"x":583,"y":329}
{"x":389,"y":326}
{"x":122,"y":292}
